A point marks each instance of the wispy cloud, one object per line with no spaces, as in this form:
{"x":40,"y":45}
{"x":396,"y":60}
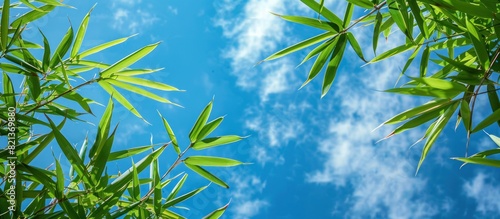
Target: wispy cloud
{"x":130,"y":17}
{"x":484,"y":190}
{"x":245,"y":192}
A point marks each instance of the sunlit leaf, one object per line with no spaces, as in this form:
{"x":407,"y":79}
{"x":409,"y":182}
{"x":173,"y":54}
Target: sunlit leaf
{"x":80,"y":34}
{"x":217,"y":213}
{"x":207,"y":175}
{"x":128,"y":60}
{"x":215,"y":141}
{"x":4,"y":36}
{"x":211,"y":161}
{"x":301,"y":45}
{"x":494,"y":117}
{"x":183,"y":197}
{"x":200,"y":123}
{"x":171,"y":134}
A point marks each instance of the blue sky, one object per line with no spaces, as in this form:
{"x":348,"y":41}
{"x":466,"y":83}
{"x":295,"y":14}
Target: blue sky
{"x":312,"y":157}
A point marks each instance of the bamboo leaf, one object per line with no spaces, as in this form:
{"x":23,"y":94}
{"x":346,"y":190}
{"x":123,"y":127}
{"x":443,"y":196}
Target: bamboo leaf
{"x":324,"y":25}
{"x":437,"y":128}
{"x":128,"y":60}
{"x":479,"y":160}
{"x":118,"y":97}
{"x":494,"y":117}
{"x":4,"y":37}
{"x":424,"y":61}
{"x":362,"y":3}
{"x":145,"y":83}
{"x":183,"y":197}
{"x":355,"y":46}
{"x":62,"y":48}
{"x":209,"y":127}
{"x":320,"y":62}
{"x":200,"y":123}
{"x":333,"y":64}
{"x":478,"y":43}
{"x":217,"y":213}
{"x":102,"y":47}
{"x":301,"y":45}
{"x":8,"y":91}
{"x":211,"y":161}
{"x":137,"y":90}
{"x":207,"y":175}
{"x":323,"y":11}
{"x":70,"y":153}
{"x":493,"y":97}
{"x":128,"y":152}
{"x":80,"y":34}
{"x":177,"y":187}
{"x":171,"y":134}
{"x":466,"y":114}
{"x":376,"y":31}
{"x":215,"y":141}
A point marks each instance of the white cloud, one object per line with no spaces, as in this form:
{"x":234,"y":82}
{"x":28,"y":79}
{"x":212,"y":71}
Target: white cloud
{"x":245,"y":204}
{"x":173,"y":10}
{"x":130,"y":17}
{"x":485,"y":192}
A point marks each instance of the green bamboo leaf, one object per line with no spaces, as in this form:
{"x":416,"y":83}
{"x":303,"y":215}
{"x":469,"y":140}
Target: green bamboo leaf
{"x":145,"y":83}
{"x":126,"y":176}
{"x":441,"y":84}
{"x":457,"y":64}
{"x":109,"y":202}
{"x":319,"y":49}
{"x":8,"y":91}
{"x":40,"y":175}
{"x":417,"y":121}
{"x":362,"y":3}
{"x":27,"y":3}
{"x":479,"y":160}
{"x":136,"y":191}
{"x":137,"y":90}
{"x":333,"y":64}
{"x":16,"y":37}
{"x":91,"y":64}
{"x":324,"y":25}
{"x":62,"y":48}
{"x":128,"y":152}
{"x":478,"y":43}
{"x":301,"y":45}
{"x":494,"y":117}
{"x":495,"y":139}
{"x":408,"y":63}
{"x":466,"y":114}
{"x":70,"y":153}
{"x":118,"y":97}
{"x":217,"y":213}
{"x":171,"y":134}
{"x":355,"y":46}
{"x":393,"y":52}
{"x":81,"y":154}
{"x":46,"y":52}
{"x":348,"y":14}
{"x":183,"y":197}
{"x":200,"y":123}
{"x":437,"y":128}
{"x":156,"y":185}
{"x":128,"y":60}
{"x":399,"y":19}
{"x":426,"y":91}
{"x":319,"y":63}
{"x":74,"y":96}
{"x":424,"y":61}
{"x":207,"y":175}
{"x":102,"y":130}
{"x":209,"y":127}
{"x":59,"y":179}
{"x":419,"y":18}
{"x":44,"y":141}
{"x":177,"y":187}
{"x":215,"y":141}
{"x":34,"y":86}
{"x":493,"y":97}
{"x":376,"y":31}
{"x":211,"y":161}
{"x":4,"y":36}
{"x":471,"y":8}
{"x":133,"y":72}
{"x":102,"y":47}
{"x":80,"y":34}
{"x":52,"y":2}
{"x":99,"y":162}
{"x":323,"y":11}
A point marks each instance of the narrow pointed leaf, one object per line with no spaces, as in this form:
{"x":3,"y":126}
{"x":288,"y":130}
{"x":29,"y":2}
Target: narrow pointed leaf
{"x":183,"y":197}
{"x":217,"y":213}
{"x":211,"y":161}
{"x":145,"y":83}
{"x":207,"y":175}
{"x":119,"y":97}
{"x":320,"y":62}
{"x":177,"y":187}
{"x":4,"y":37}
{"x":200,"y":123}
{"x":480,"y":161}
{"x":209,"y":127}
{"x":333,"y":65}
{"x":494,"y":117}
{"x":216,"y":141}
{"x":355,"y":46}
{"x":128,"y":60}
{"x":171,"y":134}
{"x":102,"y":47}
{"x":128,"y":152}
{"x":301,"y":45}
{"x":62,"y":48}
